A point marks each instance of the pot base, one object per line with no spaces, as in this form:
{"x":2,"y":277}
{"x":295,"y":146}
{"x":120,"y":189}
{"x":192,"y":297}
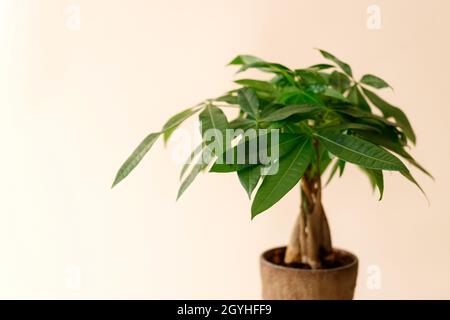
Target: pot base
{"x":337,"y":282}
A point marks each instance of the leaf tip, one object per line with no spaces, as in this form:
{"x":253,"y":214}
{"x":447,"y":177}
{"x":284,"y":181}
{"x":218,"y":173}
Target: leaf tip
{"x":117,"y":179}
{"x":165,"y":141}
{"x":254,"y":212}
{"x":180,"y":193}
{"x":235,"y":60}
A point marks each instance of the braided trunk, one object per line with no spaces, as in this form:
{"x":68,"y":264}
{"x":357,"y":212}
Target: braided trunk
{"x":310,"y":242}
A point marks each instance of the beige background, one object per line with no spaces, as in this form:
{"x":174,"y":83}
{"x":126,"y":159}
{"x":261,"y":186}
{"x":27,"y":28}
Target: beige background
{"x":74,"y":103}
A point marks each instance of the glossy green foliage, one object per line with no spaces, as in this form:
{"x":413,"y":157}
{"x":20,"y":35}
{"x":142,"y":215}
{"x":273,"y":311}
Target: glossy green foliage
{"x":323,"y":117}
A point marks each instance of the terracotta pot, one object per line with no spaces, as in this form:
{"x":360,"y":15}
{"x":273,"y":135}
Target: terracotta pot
{"x":287,"y":283}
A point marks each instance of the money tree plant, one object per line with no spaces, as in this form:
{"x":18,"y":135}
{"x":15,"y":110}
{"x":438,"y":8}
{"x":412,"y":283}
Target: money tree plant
{"x":325,"y":119}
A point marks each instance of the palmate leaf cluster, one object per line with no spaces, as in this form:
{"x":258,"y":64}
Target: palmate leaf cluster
{"x":326,"y":119}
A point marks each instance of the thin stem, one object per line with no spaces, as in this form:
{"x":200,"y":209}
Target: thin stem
{"x":235,"y":106}
{"x":307,"y":191}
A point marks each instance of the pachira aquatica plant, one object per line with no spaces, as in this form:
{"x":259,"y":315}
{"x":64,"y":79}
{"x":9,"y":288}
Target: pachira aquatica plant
{"x":316,"y":118}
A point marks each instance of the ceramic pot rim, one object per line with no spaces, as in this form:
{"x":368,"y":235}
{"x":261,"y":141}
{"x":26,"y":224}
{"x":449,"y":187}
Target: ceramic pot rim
{"x":270,"y":264}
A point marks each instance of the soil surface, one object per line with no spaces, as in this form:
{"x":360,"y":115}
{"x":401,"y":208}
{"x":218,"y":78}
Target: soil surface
{"x":335,"y":260}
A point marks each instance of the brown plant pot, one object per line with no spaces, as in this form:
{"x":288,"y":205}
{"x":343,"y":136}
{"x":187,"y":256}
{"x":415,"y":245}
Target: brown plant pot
{"x":288,"y":283}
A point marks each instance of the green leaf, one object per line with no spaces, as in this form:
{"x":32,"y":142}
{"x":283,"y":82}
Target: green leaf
{"x":258,"y":85}
{"x":376,"y":179}
{"x":325,"y":159}
{"x":352,"y":126}
{"x":409,"y":176}
{"x":394,"y":146}
{"x":332,"y":93}
{"x":374,"y":81}
{"x":264,"y":66}
{"x":310,"y":76}
{"x":377,"y":176}
{"x":371,"y":178}
{"x":286,"y":142}
{"x":361,"y":114}
{"x":199,"y":165}
{"x":344,"y":66}
{"x":174,"y":121}
{"x":339,"y":81}
{"x":341,"y":165}
{"x":333,"y":172}
{"x":297,"y":96}
{"x":137,"y":155}
{"x":359,"y":151}
{"x":286,"y":75}
{"x":198,"y":150}
{"x":291,"y":169}
{"x":389,"y":110}
{"x":321,"y":66}
{"x":242,"y":123}
{"x":249,"y":101}
{"x":288,"y":111}
{"x":228,"y":98}
{"x":249,"y":178}
{"x":412,"y":161}
{"x":213,"y":117}
{"x":280,"y":81}
{"x":196,"y":169}
{"x":244,"y":59}
{"x":356,"y":98}
{"x":379,"y":181}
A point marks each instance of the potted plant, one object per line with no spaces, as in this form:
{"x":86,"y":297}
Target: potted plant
{"x":315,"y":118}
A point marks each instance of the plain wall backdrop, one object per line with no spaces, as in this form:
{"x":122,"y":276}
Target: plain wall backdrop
{"x":77,"y":96}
